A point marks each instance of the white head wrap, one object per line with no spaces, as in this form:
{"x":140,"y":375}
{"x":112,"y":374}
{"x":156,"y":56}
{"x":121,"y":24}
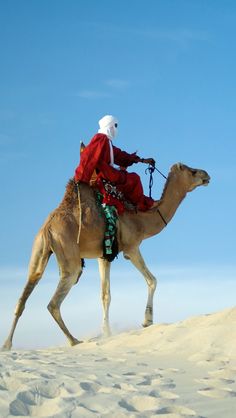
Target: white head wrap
{"x":108,"y":126}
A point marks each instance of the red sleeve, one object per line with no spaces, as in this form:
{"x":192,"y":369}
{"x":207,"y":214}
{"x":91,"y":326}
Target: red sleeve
{"x":123,"y":158}
{"x":90,"y":158}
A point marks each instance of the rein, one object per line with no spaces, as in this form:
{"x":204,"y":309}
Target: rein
{"x":151,"y":170}
{"x":162,"y":217}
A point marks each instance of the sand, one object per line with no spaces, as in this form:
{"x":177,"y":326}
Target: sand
{"x":186,"y":369}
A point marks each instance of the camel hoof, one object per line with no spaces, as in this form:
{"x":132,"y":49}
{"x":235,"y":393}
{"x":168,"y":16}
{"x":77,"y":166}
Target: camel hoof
{"x":6,"y":346}
{"x":75,"y":342}
{"x":106,"y":333}
{"x":147,"y":324}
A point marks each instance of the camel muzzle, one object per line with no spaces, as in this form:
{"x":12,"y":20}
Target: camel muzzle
{"x":206,"y":180}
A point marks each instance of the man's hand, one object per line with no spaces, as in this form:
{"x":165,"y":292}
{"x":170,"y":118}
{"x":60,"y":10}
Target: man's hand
{"x":150,"y":161}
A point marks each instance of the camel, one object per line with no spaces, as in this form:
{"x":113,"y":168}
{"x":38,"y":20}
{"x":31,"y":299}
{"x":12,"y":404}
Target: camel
{"x":59,"y":235}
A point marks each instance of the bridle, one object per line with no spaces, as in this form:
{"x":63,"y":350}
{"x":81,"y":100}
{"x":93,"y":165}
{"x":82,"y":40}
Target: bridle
{"x":151,"y":170}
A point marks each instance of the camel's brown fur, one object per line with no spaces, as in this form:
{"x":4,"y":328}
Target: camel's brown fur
{"x":75,"y":230}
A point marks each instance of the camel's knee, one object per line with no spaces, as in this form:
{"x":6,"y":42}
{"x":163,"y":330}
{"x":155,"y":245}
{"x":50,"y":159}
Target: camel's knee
{"x":54,"y":311}
{"x":52,"y":308}
{"x":106,"y":297}
{"x":152,"y":283}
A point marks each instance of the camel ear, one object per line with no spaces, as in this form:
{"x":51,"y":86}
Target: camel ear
{"x":180,"y":166}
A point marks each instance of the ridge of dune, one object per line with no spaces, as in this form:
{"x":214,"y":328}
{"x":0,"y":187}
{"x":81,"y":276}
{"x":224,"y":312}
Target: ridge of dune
{"x":197,"y":333}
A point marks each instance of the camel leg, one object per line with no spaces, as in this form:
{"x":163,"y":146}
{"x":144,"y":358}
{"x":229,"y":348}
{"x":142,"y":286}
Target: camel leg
{"x":30,"y":285}
{"x":66,"y":282}
{"x":104,"y":270}
{"x":38,"y":262}
{"x":138,"y":261}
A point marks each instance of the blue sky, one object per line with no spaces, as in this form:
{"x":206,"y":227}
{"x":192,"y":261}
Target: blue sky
{"x":167,"y":70}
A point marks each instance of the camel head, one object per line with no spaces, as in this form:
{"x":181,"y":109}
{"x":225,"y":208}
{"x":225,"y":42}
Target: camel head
{"x":190,"y":177}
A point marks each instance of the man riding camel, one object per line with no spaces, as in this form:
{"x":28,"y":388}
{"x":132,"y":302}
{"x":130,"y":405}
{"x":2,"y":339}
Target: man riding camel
{"x":100,"y":155}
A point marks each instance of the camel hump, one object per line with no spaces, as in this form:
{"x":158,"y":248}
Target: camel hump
{"x":91,"y":213}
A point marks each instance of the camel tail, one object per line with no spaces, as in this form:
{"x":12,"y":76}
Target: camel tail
{"x":41,"y":253}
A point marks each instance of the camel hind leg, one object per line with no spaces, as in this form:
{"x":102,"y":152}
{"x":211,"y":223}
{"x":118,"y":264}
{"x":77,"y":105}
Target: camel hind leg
{"x":65,"y":284}
{"x":67,"y":253}
{"x":38,"y":262}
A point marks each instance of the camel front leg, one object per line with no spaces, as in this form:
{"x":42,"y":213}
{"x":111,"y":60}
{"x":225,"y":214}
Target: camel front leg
{"x":138,"y":261}
{"x":104,"y":270}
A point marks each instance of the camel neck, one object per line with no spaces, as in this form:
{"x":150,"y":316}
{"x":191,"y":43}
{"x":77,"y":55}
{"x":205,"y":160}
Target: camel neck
{"x":172,"y":196}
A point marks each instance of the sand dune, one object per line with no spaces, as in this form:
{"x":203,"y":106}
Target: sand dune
{"x":187,"y":369}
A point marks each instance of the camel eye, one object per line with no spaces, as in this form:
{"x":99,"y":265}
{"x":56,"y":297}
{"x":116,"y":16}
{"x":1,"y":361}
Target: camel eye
{"x":194,"y":172}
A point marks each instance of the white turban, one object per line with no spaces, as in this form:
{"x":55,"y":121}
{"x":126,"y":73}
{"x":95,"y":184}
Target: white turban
{"x":108,"y":126}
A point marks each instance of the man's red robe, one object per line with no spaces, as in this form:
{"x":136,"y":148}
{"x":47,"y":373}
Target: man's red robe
{"x":96,"y":156}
